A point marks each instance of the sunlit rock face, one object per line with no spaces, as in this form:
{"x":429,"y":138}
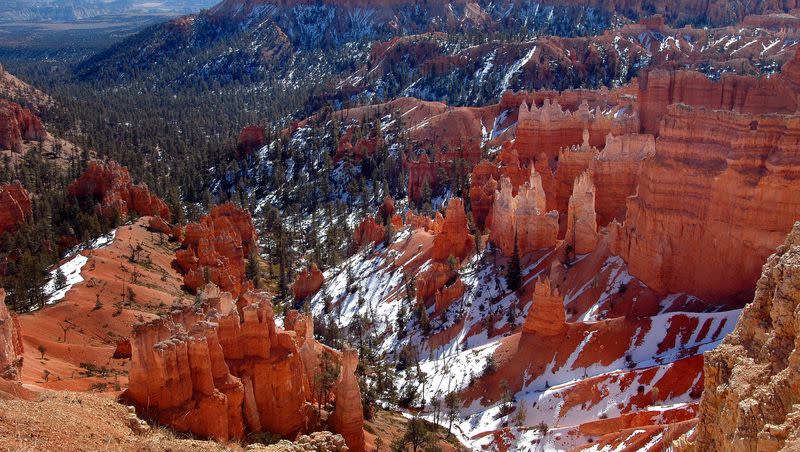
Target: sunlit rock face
{"x":222,"y":368}
{"x":719,"y":194}
{"x":751,"y":395}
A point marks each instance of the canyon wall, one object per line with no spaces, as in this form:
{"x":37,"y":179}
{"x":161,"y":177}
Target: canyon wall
{"x":660,"y":88}
{"x":717,"y":197}
{"x":10,"y":342}
{"x":751,"y":399}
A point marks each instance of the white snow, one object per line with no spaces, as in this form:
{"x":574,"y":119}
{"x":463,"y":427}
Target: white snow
{"x":72,"y":268}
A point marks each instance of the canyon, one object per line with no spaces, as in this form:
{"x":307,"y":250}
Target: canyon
{"x":640,"y":219}
{"x":463,"y":225}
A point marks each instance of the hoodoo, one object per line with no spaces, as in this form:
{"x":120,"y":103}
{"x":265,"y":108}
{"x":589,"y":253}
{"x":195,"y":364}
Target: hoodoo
{"x":546,"y":315}
{"x":214,"y":249}
{"x":348,"y":414}
{"x":581,"y":217}
{"x":219,"y":371}
{"x":454,"y":239}
{"x":109,"y":185}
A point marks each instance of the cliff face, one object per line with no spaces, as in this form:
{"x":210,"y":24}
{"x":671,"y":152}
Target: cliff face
{"x":717,"y":197}
{"x":109,"y":185}
{"x":660,"y":88}
{"x":18,"y":124}
{"x":751,"y":399}
{"x":15,"y":207}
{"x":10,"y":342}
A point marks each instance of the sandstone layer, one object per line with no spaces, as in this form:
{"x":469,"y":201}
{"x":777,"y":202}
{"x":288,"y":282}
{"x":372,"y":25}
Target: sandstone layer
{"x":751,"y":399}
{"x":716,"y":199}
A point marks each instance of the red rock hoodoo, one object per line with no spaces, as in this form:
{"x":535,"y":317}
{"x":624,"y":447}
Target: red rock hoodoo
{"x":454,"y":238}
{"x":581,"y":217}
{"x":368,"y":231}
{"x":348,"y":413}
{"x":18,"y":124}
{"x":15,"y":207}
{"x":109,"y":185}
{"x":251,"y":138}
{"x":308,"y":282}
{"x":546,"y":316}
{"x":219,"y":371}
{"x":215,"y":249}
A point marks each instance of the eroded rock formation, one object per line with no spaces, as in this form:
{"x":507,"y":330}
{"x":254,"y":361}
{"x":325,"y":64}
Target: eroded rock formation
{"x":15,"y":207}
{"x":716,"y":199}
{"x":222,"y":368}
{"x":308,"y":282}
{"x":368,"y":231}
{"x":10,"y":342}
{"x":522,"y":218}
{"x":251,"y":138}
{"x":581,"y":217}
{"x":348,"y":414}
{"x":18,"y":124}
{"x":215,"y":249}
{"x":751,"y":399}
{"x":454,"y":239}
{"x":546,"y":316}
{"x":110,"y":187}
{"x":660,"y":88}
